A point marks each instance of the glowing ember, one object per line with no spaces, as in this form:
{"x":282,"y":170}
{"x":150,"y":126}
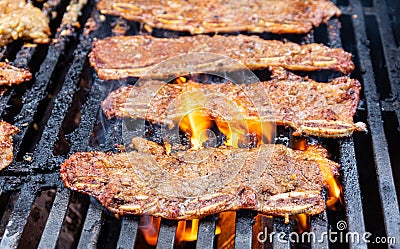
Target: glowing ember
{"x":187,"y":230}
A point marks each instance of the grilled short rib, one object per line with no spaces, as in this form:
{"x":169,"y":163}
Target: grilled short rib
{"x":199,"y":17}
{"x":6,"y":145}
{"x":133,"y":56}
{"x":148,"y":181}
{"x":10,"y":75}
{"x":309,"y":107}
{"x":22,"y":20}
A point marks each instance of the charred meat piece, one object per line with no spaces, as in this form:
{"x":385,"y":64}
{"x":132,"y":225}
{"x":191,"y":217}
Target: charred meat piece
{"x":22,"y":20}
{"x":199,"y":17}
{"x":6,"y":145}
{"x":309,"y":107}
{"x":271,"y":179}
{"x":10,"y":75}
{"x":132,"y":56}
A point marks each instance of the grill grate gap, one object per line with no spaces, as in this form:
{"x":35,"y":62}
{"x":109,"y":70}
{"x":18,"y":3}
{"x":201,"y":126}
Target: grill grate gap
{"x":349,"y":44}
{"x":334,"y":218}
{"x":109,"y":233}
{"x":378,"y":58}
{"x":11,"y":50}
{"x":392,"y":132}
{"x":73,"y":221}
{"x":55,"y":20}
{"x":37,"y":219}
{"x":369,"y":186}
{"x":321,"y":35}
{"x":343,"y":2}
{"x":367,"y":3}
{"x":7,"y":203}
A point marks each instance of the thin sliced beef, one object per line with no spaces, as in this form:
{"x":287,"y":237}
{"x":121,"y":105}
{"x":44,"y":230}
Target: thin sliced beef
{"x":309,"y":107}
{"x":199,"y":17}
{"x":271,"y":179}
{"x":136,"y":56}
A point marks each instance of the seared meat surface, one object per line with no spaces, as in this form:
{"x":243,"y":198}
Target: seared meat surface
{"x":309,"y":107}
{"x":199,"y":17}
{"x":271,"y":179}
{"x":132,"y":56}
{"x":10,"y":75}
{"x":6,"y":145}
{"x":22,"y":20}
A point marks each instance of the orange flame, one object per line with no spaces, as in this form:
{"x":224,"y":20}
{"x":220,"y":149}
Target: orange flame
{"x":302,"y":222}
{"x":187,"y":230}
{"x":334,"y":197}
{"x":236,"y":132}
{"x":196,"y":122}
{"x":218,"y":229}
{"x":149,"y":228}
{"x":180,"y":80}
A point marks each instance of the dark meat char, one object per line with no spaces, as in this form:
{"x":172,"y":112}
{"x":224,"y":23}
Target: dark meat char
{"x":272,"y":179}
{"x":132,"y":56}
{"x":10,"y":75}
{"x":6,"y":145}
{"x":309,"y":107}
{"x":199,"y":17}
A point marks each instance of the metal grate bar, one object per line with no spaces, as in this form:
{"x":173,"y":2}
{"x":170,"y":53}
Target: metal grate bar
{"x":128,"y":233}
{"x":18,"y":218}
{"x":352,"y":196}
{"x":319,"y":226}
{"x":62,"y":102}
{"x":281,"y":230}
{"x":91,"y":228}
{"x":390,"y":106}
{"x":244,"y":228}
{"x":382,"y":162}
{"x":391,"y":53}
{"x":205,"y":236}
{"x":81,"y":136}
{"x":166,"y":235}
{"x":347,"y":161}
{"x":55,"y":220}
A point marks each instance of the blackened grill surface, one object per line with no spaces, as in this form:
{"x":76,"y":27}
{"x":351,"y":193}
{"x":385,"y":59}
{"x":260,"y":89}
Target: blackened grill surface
{"x":20,"y":182}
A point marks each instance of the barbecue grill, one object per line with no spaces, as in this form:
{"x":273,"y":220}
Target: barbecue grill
{"x":59,"y":114}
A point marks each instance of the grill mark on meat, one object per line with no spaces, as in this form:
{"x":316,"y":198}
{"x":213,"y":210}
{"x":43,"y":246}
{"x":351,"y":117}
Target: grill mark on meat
{"x":309,"y":107}
{"x":132,"y":56}
{"x":199,"y":17}
{"x":10,"y":75}
{"x":22,"y":20}
{"x":118,"y":181}
{"x":6,"y":145}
